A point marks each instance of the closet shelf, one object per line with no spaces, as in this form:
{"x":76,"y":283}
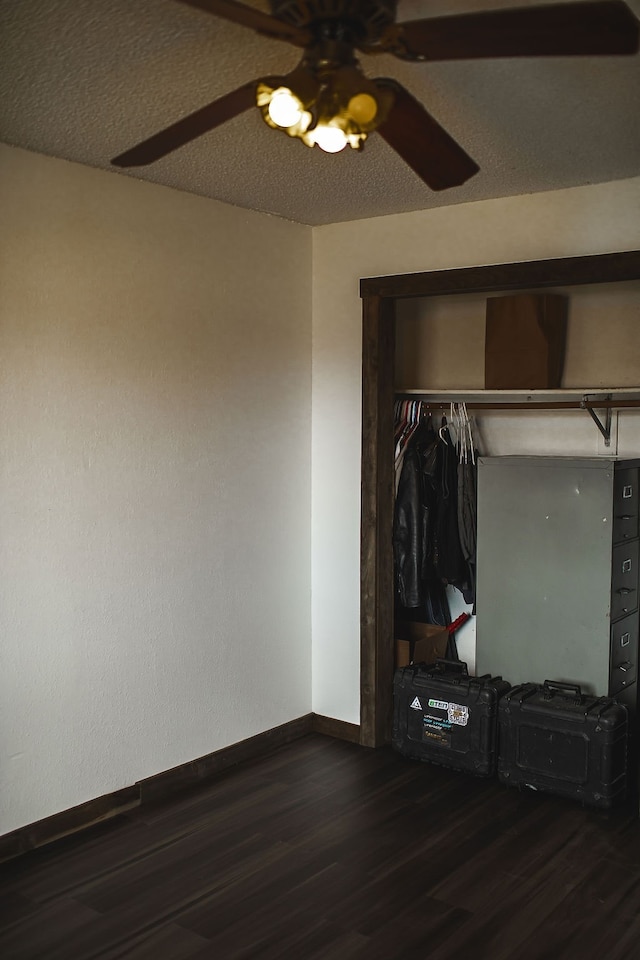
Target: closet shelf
{"x":590,"y":400}
{"x":570,"y":399}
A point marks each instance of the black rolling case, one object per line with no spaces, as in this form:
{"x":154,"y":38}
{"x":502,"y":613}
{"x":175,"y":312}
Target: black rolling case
{"x":554,"y":738}
{"x":443,"y":715}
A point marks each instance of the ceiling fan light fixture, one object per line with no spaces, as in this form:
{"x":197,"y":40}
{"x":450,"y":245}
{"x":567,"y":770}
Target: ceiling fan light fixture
{"x":324,"y":103}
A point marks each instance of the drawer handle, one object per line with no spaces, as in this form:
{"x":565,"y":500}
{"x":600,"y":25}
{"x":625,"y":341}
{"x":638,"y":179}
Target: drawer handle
{"x":626,"y":566}
{"x":625,"y":666}
{"x":627,"y":492}
{"x":625,"y":639}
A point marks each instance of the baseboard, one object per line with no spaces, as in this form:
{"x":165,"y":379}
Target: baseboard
{"x":195,"y":771}
{"x":68,"y":821}
{"x":169,"y":782}
{"x":339,"y":729}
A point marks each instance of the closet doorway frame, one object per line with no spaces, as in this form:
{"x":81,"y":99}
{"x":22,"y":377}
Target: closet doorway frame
{"x":379,"y":296}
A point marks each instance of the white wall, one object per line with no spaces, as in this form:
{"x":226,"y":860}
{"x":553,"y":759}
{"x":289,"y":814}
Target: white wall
{"x":154,"y":480}
{"x":581,"y":221}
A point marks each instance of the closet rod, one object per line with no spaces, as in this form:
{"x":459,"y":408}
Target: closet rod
{"x":588,"y":403}
{"x":522,"y":405}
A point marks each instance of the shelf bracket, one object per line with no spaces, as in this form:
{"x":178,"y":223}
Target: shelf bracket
{"x":604,"y":428}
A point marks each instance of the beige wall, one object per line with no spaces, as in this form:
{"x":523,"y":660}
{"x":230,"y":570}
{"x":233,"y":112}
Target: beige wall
{"x":581,"y":221}
{"x":154,"y":480}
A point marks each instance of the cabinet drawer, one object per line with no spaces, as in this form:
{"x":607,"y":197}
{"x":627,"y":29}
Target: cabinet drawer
{"x":629,"y":697}
{"x":625,"y":505}
{"x":622,"y":676}
{"x":624,"y":653}
{"x":624,"y":579}
{"x":624,"y":639}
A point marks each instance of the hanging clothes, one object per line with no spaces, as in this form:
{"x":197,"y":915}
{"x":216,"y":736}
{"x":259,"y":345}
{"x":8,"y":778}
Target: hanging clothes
{"x":467,"y":525}
{"x":407,"y":420}
{"x":449,"y":561}
{"x":434,"y":516}
{"x":413,"y":516}
{"x":467,"y":498}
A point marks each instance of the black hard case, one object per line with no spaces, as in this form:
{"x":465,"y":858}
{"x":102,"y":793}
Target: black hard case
{"x":555,"y":739}
{"x":444,"y":716}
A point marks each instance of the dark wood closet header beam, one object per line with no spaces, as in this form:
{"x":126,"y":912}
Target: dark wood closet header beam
{"x":570,"y":271}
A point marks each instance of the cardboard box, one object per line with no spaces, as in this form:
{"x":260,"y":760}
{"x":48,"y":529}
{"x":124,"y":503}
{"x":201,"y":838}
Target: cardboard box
{"x":525,"y":341}
{"x":419,"y":642}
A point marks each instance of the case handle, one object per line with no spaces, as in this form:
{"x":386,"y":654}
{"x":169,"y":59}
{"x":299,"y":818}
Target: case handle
{"x":458,"y":665}
{"x":571,"y":689}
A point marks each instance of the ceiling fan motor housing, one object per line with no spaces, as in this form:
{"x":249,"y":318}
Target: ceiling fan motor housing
{"x":365,"y":20}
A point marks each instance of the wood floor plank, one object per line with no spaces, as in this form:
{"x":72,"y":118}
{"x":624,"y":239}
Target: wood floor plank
{"x":267,"y":890}
{"x":44,"y":932}
{"x":14,"y":907}
{"x":602,"y":913}
{"x":417,"y":931}
{"x":305,"y":935}
{"x":54,"y":870}
{"x":167,"y":940}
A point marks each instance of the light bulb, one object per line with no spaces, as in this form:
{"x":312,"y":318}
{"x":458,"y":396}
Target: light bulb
{"x":284,"y":108}
{"x":330,"y":139}
{"x":362,"y":108}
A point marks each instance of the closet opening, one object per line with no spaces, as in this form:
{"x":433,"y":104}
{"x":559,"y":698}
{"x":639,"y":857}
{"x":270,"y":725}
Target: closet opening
{"x":379,"y":296}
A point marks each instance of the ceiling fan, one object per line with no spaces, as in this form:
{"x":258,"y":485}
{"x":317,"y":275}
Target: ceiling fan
{"x":327,"y":101}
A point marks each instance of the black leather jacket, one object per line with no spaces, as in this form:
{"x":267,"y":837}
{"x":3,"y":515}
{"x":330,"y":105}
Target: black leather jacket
{"x":426,"y":541}
{"x":413,"y":518}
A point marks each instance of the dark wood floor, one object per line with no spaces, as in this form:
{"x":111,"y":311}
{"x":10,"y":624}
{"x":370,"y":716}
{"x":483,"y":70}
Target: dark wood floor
{"x":328,"y":851}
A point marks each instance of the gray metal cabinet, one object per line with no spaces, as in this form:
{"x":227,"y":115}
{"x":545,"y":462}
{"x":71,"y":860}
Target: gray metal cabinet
{"x":557,"y":588}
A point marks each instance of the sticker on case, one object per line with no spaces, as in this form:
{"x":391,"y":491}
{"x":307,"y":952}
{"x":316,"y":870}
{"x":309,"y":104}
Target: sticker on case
{"x":439,"y":704}
{"x":458,"y":713}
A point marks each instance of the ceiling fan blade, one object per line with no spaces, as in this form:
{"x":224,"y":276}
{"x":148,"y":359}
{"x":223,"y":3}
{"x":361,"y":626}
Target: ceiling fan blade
{"x":190,"y":127}
{"x":254,"y":19}
{"x":422,"y":143}
{"x":562,"y":29}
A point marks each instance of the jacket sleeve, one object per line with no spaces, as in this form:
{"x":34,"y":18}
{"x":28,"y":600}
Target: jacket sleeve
{"x":410,"y":534}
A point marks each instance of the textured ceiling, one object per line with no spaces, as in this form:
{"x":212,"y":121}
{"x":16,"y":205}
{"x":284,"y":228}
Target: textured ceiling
{"x":86,"y":79}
